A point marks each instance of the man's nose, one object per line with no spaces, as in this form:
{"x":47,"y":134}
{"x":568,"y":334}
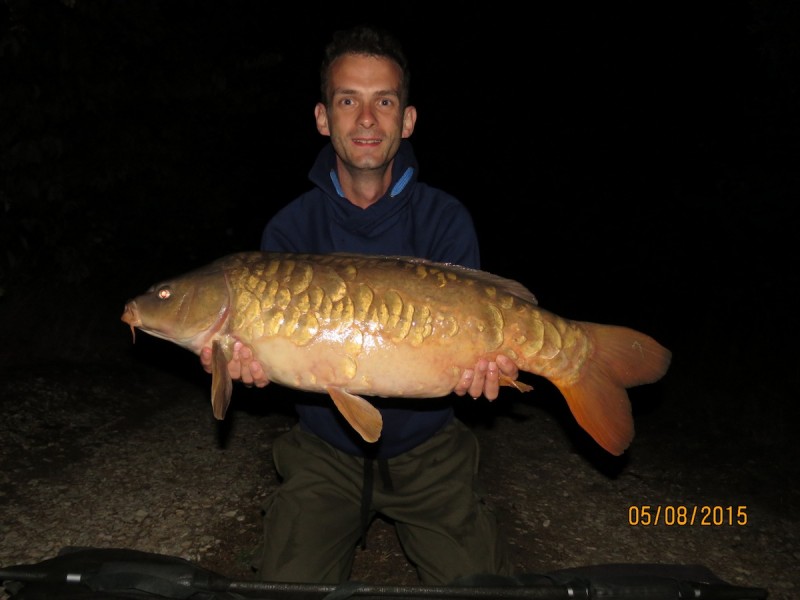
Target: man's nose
{"x":366,"y":118}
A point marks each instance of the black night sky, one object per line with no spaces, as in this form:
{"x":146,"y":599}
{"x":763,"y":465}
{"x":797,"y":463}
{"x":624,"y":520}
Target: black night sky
{"x":629,"y":162}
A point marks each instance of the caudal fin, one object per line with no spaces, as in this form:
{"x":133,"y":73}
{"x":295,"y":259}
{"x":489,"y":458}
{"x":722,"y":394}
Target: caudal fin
{"x":621,"y":358}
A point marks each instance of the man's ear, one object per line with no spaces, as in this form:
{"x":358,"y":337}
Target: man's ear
{"x":321,"y":114}
{"x":409,"y":120}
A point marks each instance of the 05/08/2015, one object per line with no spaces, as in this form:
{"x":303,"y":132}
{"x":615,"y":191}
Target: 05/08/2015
{"x":681,"y":515}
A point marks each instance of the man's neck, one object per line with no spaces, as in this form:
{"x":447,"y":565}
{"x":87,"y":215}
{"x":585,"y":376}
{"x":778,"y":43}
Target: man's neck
{"x":364,"y":188}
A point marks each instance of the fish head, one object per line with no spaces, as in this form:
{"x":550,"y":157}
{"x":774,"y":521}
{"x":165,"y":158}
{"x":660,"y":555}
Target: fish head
{"x":189,"y":310}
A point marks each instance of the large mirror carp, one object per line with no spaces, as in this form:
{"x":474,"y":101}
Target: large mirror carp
{"x":355,"y":325}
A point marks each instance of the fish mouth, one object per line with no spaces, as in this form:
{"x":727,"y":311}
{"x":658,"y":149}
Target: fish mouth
{"x":131,"y":316}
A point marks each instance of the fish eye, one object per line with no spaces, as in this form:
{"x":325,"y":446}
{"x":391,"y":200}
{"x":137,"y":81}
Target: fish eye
{"x":164,"y":293}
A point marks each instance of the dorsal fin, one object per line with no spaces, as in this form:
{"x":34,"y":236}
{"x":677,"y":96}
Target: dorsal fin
{"x":513,"y":287}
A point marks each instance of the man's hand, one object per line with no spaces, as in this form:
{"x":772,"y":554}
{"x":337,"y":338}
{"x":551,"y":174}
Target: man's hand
{"x":485,"y":377}
{"x":242,"y":366}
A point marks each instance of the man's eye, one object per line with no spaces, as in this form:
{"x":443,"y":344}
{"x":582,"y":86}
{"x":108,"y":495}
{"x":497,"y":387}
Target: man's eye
{"x":347,"y":101}
{"x":385,"y":102}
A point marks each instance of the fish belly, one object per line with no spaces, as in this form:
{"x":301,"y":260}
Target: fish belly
{"x":388,"y":370}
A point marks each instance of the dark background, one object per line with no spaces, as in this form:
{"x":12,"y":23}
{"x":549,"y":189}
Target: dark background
{"x":629,"y":162}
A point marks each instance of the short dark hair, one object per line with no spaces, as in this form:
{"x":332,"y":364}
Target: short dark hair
{"x":371,"y":41}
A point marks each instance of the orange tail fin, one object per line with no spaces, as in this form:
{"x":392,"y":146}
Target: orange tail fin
{"x":622,"y":358}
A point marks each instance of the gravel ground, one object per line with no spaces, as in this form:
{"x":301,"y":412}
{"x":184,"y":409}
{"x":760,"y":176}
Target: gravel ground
{"x":129,"y":456}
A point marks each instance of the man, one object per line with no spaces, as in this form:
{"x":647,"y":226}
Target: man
{"x":367,"y":199}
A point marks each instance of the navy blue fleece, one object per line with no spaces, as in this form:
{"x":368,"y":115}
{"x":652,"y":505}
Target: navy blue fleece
{"x":412,"y":219}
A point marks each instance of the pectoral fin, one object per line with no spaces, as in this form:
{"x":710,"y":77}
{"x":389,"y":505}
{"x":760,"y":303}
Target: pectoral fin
{"x":362,"y":416}
{"x":221,"y":384}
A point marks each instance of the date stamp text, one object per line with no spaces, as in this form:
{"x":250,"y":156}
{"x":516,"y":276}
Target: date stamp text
{"x":679,"y":515}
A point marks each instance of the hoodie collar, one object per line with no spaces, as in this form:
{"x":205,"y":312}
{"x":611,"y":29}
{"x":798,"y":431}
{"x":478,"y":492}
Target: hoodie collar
{"x":404,"y":169}
{"x":374,"y":220}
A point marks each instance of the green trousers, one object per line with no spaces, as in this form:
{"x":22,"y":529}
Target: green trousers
{"x":313,"y":521}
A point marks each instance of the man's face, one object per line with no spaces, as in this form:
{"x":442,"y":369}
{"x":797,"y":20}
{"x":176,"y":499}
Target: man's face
{"x":365,"y":120}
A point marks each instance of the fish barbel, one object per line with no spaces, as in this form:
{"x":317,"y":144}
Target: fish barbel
{"x":352,"y":325}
